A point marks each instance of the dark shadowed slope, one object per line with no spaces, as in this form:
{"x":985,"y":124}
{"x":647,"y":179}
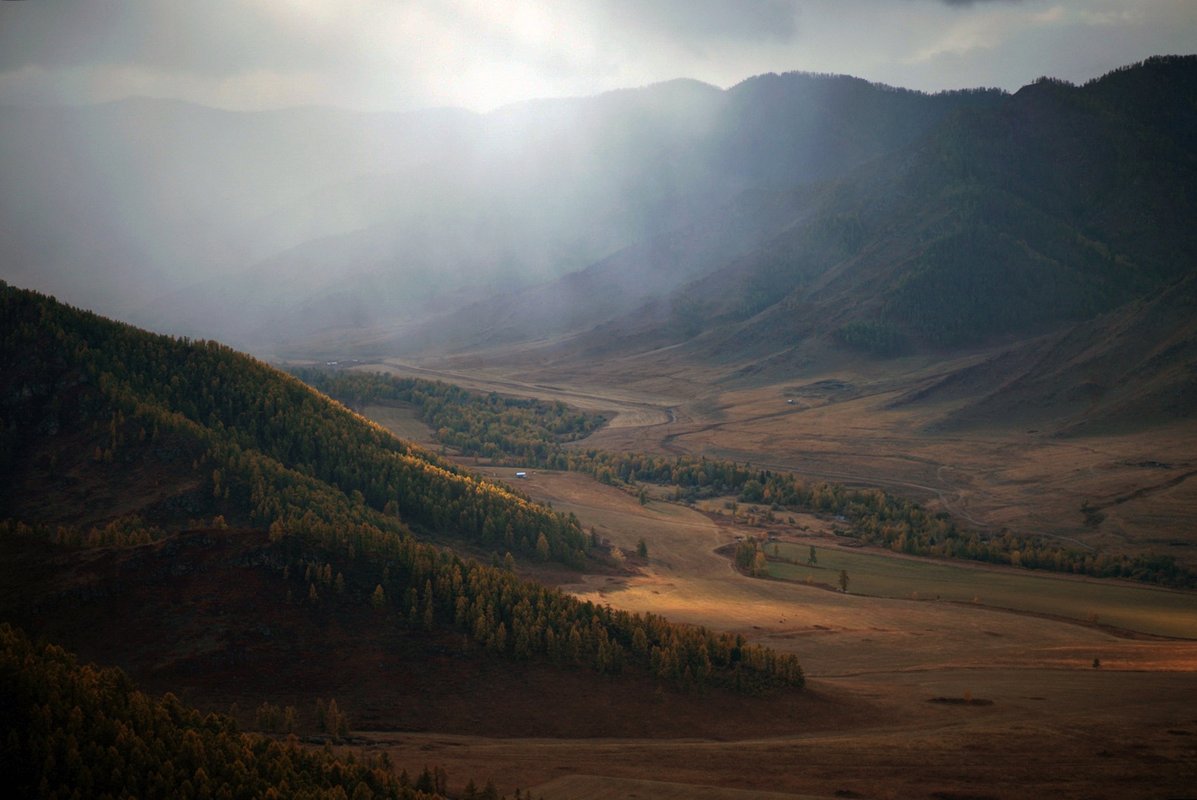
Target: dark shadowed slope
{"x":1126,"y":370}
{"x":1060,"y":203}
{"x":191,"y":513}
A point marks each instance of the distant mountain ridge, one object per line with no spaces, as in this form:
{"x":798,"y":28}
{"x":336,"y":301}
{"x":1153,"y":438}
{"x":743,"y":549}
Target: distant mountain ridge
{"x":266,"y":227}
{"x":787,"y":218}
{"x":1042,"y":212}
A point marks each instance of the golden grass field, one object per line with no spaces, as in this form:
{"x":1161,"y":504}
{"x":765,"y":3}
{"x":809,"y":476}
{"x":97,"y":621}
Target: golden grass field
{"x":1052,"y":724}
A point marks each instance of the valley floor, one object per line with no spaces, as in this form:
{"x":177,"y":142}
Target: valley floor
{"x":907,"y":698}
{"x":1120,"y":491}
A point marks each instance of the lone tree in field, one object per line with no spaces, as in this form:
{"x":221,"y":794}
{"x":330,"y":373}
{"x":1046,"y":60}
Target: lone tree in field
{"x":812,"y":559}
{"x":642,"y":548}
{"x":843,"y":580}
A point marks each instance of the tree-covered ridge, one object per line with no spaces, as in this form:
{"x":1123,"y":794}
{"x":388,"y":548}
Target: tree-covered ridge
{"x":487,"y":425}
{"x":1064,"y":202}
{"x":437,"y":590}
{"x":316,"y":521}
{"x":78,"y":731}
{"x":246,"y":424}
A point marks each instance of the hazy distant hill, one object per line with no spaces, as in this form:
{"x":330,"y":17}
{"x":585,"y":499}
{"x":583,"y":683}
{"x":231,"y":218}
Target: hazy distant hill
{"x":786,"y":211}
{"x":1056,"y":204}
{"x":744,"y":171}
{"x":113,"y":205}
{"x":264,"y":227}
{"x":1005,"y":218}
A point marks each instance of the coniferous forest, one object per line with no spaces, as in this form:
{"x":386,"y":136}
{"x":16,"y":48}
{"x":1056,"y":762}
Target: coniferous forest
{"x":71,"y":730}
{"x":348,"y":507}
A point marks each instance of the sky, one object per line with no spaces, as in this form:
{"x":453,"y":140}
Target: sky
{"x":483,"y":54}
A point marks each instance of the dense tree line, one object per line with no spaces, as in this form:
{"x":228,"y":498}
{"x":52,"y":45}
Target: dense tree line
{"x":438,"y":590}
{"x":77,"y":731}
{"x":488,"y":425}
{"x":878,"y":518}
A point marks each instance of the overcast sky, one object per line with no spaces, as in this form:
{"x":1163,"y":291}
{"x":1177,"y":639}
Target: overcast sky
{"x":481,"y":54}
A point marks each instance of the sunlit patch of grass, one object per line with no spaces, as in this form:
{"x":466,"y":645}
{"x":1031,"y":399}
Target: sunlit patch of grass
{"x":1144,"y":609}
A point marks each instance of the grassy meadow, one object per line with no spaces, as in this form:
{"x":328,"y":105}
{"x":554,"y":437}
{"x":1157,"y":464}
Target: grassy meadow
{"x":1137,"y":608}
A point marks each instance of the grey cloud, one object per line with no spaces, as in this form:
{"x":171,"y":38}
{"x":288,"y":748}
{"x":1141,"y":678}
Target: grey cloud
{"x":225,"y":37}
{"x":698,"y":21}
{"x":217,"y":37}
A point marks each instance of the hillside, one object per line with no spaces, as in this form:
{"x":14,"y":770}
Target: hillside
{"x":168,"y":504}
{"x":78,"y":730}
{"x":717,"y":189}
{"x":1056,"y":204}
{"x":1011,"y":218}
{"x":1129,"y":368}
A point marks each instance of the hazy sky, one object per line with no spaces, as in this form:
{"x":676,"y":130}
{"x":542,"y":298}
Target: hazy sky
{"x":480,"y":54}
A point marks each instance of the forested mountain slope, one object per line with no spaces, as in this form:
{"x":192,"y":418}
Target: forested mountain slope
{"x":74,"y":730}
{"x":198,"y":499}
{"x":1059,"y":203}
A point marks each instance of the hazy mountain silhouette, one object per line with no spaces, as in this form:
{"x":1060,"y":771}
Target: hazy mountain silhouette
{"x":787,"y":212}
{"x":261,"y":227}
{"x":1009,"y":219}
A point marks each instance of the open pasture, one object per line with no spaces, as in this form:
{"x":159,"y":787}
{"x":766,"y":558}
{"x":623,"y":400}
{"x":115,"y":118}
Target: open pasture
{"x":836,"y":634}
{"x":1141,"y":609}
{"x":851,"y":424}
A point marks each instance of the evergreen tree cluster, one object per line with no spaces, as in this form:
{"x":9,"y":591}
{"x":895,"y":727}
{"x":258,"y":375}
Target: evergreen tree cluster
{"x":436,"y":590}
{"x":73,"y":731}
{"x":266,"y":443}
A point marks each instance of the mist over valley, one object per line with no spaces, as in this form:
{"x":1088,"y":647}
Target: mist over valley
{"x":434,"y":401}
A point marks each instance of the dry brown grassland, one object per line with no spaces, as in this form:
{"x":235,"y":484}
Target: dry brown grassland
{"x":1057,"y":726}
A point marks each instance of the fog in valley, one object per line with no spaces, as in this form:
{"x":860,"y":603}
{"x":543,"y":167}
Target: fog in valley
{"x":268,"y":226}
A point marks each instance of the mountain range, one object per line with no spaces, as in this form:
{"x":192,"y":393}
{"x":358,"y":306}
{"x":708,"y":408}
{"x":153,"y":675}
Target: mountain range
{"x":789,"y":220}
{"x":265,"y":226}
